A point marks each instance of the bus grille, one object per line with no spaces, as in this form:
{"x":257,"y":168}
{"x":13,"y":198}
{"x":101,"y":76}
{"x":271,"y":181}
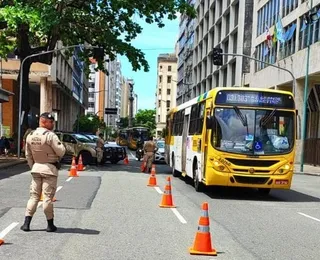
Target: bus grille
{"x":252,"y":163}
{"x":251,"y":180}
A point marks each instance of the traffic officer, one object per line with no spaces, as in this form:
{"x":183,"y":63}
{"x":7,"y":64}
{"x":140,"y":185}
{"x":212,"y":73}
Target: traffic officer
{"x":149,"y":149}
{"x":99,"y":148}
{"x":43,"y":153}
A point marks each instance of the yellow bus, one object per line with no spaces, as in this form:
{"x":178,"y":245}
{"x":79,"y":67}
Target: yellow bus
{"x":240,"y":137}
{"x":136,"y":133}
{"x":122,"y":138}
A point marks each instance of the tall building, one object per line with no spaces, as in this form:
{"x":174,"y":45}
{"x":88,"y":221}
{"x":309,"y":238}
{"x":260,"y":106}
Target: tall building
{"x":61,"y":88}
{"x":166,"y":91}
{"x":185,"y":57}
{"x":287,"y":48}
{"x":226,"y":24}
{"x":124,"y":98}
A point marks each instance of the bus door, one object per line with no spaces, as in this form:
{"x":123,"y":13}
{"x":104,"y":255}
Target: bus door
{"x":205,"y":142}
{"x":184,"y":142}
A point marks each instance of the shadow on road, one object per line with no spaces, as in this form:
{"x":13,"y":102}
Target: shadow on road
{"x":13,"y":170}
{"x":73,"y":231}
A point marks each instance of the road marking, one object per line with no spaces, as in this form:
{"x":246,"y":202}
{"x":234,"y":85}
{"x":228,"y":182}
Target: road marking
{"x":69,"y":179}
{"x":8,"y":229}
{"x":158,"y":190}
{"x":175,"y":211}
{"x":305,"y":215}
{"x":179,"y":216}
{"x":40,"y":202}
{"x":132,"y":155}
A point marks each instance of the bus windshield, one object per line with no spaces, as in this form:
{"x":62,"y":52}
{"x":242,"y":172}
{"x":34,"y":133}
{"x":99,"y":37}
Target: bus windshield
{"x":140,"y":134}
{"x":253,"y":131}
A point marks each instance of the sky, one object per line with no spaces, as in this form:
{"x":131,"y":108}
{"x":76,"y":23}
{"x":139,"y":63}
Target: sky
{"x":152,"y":41}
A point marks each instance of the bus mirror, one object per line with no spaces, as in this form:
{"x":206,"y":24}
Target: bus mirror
{"x":297,"y":111}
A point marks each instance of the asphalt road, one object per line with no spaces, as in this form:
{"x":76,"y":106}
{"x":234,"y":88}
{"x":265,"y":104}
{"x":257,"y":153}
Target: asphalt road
{"x":110,"y":213}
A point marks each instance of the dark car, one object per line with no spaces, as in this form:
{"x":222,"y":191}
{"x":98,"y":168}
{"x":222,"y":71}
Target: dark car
{"x":114,"y":153}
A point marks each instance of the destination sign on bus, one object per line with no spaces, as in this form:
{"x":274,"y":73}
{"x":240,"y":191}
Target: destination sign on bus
{"x":254,"y":98}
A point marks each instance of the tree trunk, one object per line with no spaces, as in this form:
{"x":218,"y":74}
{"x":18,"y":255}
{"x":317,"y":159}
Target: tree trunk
{"x":25,"y":92}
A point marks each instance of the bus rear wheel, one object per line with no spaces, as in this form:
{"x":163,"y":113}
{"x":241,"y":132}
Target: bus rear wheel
{"x":196,"y":183}
{"x":175,"y":173}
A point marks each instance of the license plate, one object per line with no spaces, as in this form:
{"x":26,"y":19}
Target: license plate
{"x":282,"y":182}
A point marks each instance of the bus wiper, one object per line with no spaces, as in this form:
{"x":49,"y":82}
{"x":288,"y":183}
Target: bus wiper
{"x":243,"y":118}
{"x":266,"y":120}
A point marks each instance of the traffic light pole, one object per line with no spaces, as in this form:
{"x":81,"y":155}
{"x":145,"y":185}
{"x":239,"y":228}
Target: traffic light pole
{"x":269,"y":64}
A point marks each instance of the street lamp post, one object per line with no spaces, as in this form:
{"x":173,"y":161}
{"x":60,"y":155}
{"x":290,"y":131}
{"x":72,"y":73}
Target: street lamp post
{"x":21,"y":80}
{"x":310,"y":19}
{"x":131,"y":104}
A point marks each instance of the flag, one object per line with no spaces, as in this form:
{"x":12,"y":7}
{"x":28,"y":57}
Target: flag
{"x":280,"y":34}
{"x":274,"y":37}
{"x":289,"y":33}
{"x":268,"y":37}
{"x":304,"y":26}
{"x":265,"y":51}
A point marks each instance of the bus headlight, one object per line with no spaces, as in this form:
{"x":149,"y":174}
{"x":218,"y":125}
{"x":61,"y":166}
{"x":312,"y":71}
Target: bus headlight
{"x":284,"y":169}
{"x":218,"y":165}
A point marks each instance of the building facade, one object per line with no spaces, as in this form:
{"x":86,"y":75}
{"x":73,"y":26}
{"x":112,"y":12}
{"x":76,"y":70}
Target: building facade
{"x":225,"y":24}
{"x":61,"y":88}
{"x":286,"y":47}
{"x":185,"y":57}
{"x":166,"y":90}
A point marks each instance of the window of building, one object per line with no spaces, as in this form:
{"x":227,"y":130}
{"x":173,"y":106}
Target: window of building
{"x":168,"y":103}
{"x":91,"y":105}
{"x":288,"y":47}
{"x":303,"y":33}
{"x":268,"y":15}
{"x":159,"y":91}
{"x":160,"y":79}
{"x":168,"y":91}
{"x":169,"y":79}
{"x":169,"y":68}
{"x":91,"y":95}
{"x":159,"y":118}
{"x":159,"y":103}
{"x":288,"y":6}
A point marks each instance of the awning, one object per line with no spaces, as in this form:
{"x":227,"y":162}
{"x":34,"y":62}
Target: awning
{"x":4,"y":95}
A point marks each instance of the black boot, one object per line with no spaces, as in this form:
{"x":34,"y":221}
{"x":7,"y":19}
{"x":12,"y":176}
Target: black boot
{"x":26,"y":224}
{"x":51,"y":227}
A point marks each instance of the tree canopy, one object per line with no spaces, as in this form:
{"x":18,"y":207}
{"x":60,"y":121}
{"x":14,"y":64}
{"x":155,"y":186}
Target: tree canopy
{"x":32,"y":26}
{"x":89,"y":124}
{"x":147,"y":118}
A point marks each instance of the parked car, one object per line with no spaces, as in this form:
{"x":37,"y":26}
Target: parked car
{"x":159,"y":154}
{"x":114,"y":153}
{"x":77,"y":144}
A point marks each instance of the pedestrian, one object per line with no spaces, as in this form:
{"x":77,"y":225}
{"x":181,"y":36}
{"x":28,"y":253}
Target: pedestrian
{"x":43,"y":153}
{"x":99,"y":148}
{"x":149,"y":150}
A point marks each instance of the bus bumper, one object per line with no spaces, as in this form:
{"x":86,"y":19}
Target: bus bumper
{"x":250,"y":180}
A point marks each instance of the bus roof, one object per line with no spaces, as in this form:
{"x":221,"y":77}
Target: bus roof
{"x":212,"y":92}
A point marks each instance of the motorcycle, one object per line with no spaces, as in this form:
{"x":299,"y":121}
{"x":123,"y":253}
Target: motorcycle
{"x":139,"y":153}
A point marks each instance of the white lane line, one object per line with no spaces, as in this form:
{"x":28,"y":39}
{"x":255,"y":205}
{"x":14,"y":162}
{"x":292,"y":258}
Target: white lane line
{"x":69,"y":179}
{"x":8,"y":229}
{"x":307,"y":216}
{"x":158,"y":190}
{"x":40,"y":202}
{"x":179,"y":216}
{"x":174,"y":210}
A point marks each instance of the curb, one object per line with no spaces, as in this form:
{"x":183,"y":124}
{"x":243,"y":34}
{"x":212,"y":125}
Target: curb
{"x":10,"y":164}
{"x":308,"y":173}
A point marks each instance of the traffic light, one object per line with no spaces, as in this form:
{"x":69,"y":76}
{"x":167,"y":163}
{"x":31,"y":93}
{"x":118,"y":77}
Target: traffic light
{"x":217,"y":57}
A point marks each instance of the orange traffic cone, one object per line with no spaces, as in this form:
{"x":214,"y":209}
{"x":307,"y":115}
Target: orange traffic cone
{"x":153,"y":169}
{"x":126,"y":160}
{"x":166,"y":201}
{"x":1,"y":241}
{"x":80,"y":166}
{"x":152,"y":180}
{"x":73,"y":170}
{"x":202,"y":241}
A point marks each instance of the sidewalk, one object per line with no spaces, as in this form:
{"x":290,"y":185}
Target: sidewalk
{"x":6,"y":162}
{"x":307,"y":170}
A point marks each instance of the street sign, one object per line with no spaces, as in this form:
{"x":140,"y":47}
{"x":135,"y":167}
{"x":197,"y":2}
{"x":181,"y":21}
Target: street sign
{"x":111,"y":111}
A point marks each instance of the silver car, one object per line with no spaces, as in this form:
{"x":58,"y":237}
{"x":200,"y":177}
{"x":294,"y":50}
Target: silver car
{"x":159,"y":155}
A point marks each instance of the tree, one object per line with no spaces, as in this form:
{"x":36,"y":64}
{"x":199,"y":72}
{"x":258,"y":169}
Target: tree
{"x":32,"y":26}
{"x":124,"y":122}
{"x":89,"y":124}
{"x":146,"y":118}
